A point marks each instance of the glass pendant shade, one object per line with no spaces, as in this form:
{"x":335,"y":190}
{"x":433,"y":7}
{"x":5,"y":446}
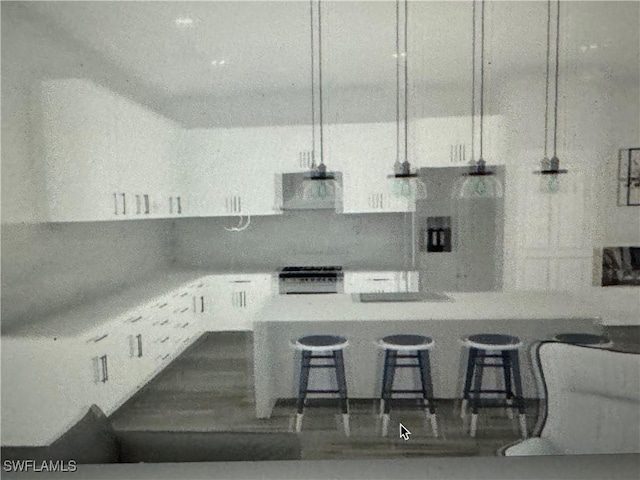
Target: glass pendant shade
{"x":412,"y":188}
{"x":480,"y":186}
{"x":319,"y":189}
{"x":406,"y":184}
{"x":550,"y":172}
{"x":479,"y":183}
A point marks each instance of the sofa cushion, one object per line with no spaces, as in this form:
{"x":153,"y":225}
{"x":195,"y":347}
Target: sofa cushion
{"x":533,"y":446}
{"x":158,"y":447}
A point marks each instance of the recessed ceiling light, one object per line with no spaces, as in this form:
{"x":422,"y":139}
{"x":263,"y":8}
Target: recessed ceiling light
{"x":402,"y":54}
{"x":184,"y":22}
{"x":218,"y":63}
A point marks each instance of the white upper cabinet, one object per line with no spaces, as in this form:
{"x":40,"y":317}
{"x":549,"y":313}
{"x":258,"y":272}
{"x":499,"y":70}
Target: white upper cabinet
{"x":105,"y":158}
{"x":446,"y":141}
{"x":237,"y":171}
{"x":365,"y":153}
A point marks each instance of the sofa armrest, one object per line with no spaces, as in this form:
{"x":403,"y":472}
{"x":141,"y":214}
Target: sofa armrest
{"x":532,"y":446}
{"x":158,"y":447}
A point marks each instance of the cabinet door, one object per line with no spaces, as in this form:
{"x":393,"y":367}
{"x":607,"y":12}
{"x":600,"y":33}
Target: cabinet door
{"x":238,"y":299}
{"x":366,"y":154}
{"x":440,"y":141}
{"x":79,"y":136}
{"x":105,"y":357}
{"x":446,"y":141}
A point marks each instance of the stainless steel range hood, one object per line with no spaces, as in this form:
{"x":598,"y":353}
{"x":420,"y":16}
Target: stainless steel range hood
{"x":299,"y":192}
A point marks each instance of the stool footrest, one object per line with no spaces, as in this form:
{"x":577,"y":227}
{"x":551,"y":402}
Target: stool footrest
{"x":494,"y":365}
{"x":491,"y":391}
{"x":319,"y":366}
{"x":321,"y":356}
{"x":322,"y":391}
{"x":406,"y":391}
{"x":406,"y":356}
{"x":407,"y":365}
{"x":496,"y":403}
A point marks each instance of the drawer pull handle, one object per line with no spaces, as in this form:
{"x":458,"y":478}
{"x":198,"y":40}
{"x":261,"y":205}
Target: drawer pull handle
{"x":139,"y":337}
{"x":165,"y":322}
{"x":165,"y":357}
{"x":105,"y":370}
{"x":101,"y":338}
{"x":146,"y":203}
{"x":164,"y":339}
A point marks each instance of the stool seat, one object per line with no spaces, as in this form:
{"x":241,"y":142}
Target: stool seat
{"x":493,"y":341}
{"x":321,"y":343}
{"x":586,"y":339}
{"x":406,"y":342}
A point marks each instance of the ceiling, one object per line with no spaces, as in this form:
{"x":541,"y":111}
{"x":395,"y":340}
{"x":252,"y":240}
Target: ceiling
{"x":227,"y":47}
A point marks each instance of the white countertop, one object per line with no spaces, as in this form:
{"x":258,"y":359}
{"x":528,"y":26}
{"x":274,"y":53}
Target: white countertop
{"x":614,"y":305}
{"x":464,"y":306}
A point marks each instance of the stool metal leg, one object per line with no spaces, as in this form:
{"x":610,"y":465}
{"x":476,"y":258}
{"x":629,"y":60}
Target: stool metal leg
{"x":506,"y":369}
{"x":473,"y":352}
{"x":342,"y":388}
{"x":477,"y":385}
{"x":519,"y":399}
{"x":386,"y":395}
{"x":305,"y":364}
{"x":385,"y":372}
{"x":427,"y":389}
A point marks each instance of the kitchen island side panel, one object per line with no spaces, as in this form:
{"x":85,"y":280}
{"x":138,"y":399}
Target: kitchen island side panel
{"x":276,"y":362}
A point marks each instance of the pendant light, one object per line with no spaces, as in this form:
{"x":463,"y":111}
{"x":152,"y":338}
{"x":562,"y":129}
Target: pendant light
{"x":550,"y":169}
{"x":318,"y":182}
{"x":405,"y":183}
{"x":479,"y":182}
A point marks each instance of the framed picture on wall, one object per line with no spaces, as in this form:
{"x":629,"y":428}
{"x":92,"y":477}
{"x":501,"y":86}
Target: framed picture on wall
{"x":629,"y":177}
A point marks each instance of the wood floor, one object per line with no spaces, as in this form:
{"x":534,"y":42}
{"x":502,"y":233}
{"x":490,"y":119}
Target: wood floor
{"x":210,"y":388}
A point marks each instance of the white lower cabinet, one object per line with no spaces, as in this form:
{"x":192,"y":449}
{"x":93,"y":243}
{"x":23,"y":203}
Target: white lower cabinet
{"x":105,"y":358}
{"x":237,"y":299}
{"x":48,"y":383}
{"x":380,"y":282}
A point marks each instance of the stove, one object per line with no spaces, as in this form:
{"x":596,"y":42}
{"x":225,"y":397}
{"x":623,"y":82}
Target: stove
{"x":309,"y":280}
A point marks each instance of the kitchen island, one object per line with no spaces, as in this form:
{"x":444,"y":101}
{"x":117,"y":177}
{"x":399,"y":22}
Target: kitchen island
{"x":532,"y":316}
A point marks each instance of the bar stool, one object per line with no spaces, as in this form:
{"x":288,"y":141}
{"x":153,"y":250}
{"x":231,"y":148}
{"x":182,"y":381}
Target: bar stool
{"x":411,"y":347}
{"x":325,"y":347}
{"x":584,"y":339}
{"x":504,"y":348}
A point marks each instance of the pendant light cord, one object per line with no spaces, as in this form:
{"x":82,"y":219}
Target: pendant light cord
{"x":555,"y":107}
{"x":406,"y":82}
{"x":481,"y":77}
{"x":320,"y":79}
{"x":473,"y":82}
{"x":397,"y":81}
{"x":313,"y":93}
{"x":546,"y":93}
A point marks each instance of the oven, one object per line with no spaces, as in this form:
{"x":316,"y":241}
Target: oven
{"x":309,"y":280}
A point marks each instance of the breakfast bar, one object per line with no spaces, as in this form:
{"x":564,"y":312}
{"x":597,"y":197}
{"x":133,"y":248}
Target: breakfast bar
{"x":446,"y":318}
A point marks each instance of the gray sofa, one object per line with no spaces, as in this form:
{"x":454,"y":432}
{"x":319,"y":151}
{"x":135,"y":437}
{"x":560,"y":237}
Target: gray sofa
{"x":93,"y":441}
